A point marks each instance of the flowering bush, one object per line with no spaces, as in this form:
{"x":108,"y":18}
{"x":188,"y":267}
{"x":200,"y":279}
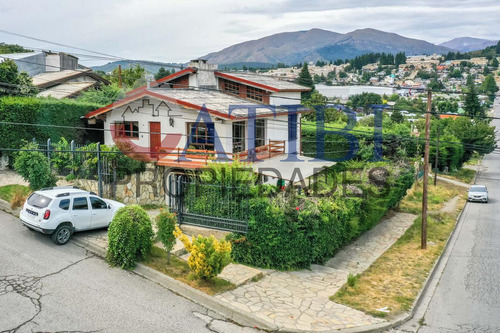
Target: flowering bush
{"x":208,"y":255}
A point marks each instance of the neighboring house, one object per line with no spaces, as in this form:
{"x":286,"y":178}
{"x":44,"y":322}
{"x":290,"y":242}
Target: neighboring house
{"x":199,"y":114}
{"x":56,"y":74}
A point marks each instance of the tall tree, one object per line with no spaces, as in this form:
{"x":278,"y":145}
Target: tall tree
{"x":162,"y":72}
{"x":14,"y":83}
{"x":132,"y":77}
{"x":472,"y":106}
{"x":497,"y":49}
{"x":305,"y":79}
{"x":494,"y":63}
{"x":489,"y":86}
{"x":400,"y":59}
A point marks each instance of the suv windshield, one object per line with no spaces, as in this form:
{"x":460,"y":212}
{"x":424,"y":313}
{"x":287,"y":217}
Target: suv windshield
{"x":38,"y":200}
{"x":478,"y":189}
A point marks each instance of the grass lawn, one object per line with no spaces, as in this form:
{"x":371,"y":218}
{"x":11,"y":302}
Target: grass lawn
{"x":463,"y":175}
{"x":8,"y":191}
{"x":179,"y":270}
{"x":395,"y":279}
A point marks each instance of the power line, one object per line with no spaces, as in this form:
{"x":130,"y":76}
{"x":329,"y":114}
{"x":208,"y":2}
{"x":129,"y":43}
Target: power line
{"x":394,"y":138}
{"x":113,"y":57}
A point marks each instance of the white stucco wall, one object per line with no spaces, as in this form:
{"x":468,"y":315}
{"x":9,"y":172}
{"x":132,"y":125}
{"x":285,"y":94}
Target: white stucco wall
{"x":276,"y":128}
{"x":144,"y":116}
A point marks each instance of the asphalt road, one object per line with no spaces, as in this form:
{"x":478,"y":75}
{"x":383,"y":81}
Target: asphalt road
{"x":467,"y":295}
{"x":50,"y":288}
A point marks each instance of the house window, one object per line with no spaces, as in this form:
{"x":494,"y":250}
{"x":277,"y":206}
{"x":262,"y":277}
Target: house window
{"x":255,"y":93}
{"x":232,"y":87}
{"x":201,"y":135}
{"x":260,"y":132}
{"x":127,"y":129}
{"x":239,"y":136}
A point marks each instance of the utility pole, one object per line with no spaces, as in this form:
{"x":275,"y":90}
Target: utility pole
{"x":120,"y":76}
{"x":426,"y":169}
{"x":437,"y":158}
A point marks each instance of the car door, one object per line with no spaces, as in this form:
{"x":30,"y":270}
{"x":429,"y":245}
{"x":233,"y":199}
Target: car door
{"x":101,"y":215}
{"x":81,"y":213}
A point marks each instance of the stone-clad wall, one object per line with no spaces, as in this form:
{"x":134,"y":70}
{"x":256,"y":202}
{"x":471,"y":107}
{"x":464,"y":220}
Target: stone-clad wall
{"x":141,"y":188}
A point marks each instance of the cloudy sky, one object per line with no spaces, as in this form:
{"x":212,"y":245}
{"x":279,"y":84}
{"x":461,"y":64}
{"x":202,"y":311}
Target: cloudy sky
{"x":176,"y":31}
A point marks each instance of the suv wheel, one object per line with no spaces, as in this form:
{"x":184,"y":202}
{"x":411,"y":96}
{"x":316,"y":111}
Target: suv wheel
{"x":62,"y":234}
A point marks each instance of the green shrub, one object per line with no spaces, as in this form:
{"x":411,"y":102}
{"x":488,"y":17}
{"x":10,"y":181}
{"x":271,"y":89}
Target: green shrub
{"x":130,"y":237}
{"x":34,"y":167}
{"x":165,"y":222}
{"x":70,"y":177}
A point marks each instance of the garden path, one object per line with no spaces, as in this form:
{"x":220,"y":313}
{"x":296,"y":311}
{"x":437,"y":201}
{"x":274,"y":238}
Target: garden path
{"x":299,"y":300}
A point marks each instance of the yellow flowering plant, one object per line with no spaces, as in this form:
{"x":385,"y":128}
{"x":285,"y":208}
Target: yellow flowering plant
{"x":208,"y":255}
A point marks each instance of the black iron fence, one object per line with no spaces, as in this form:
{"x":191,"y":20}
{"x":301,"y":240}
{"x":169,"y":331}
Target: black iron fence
{"x":209,"y":205}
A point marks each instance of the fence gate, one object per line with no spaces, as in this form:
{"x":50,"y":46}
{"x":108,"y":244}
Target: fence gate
{"x":208,"y":205}
{"x":108,"y":178}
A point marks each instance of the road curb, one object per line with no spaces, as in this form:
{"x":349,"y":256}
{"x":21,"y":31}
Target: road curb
{"x":192,"y":294}
{"x":5,"y":206}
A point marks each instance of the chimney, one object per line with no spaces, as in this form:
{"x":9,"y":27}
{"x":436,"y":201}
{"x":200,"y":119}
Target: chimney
{"x":205,"y":77}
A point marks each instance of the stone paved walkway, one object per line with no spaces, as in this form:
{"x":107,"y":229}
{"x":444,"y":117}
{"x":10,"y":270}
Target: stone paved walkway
{"x":9,"y":177}
{"x":300,"y":300}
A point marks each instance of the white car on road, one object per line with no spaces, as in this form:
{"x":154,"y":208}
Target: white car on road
{"x":60,"y":211}
{"x":478,"y":193}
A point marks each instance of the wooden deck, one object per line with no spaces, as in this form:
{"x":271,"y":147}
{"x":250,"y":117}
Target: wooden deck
{"x":196,"y":158}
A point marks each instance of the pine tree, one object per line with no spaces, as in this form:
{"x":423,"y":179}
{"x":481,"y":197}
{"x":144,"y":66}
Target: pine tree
{"x":472,"y":105}
{"x":162,"y":72}
{"x":306,"y":80}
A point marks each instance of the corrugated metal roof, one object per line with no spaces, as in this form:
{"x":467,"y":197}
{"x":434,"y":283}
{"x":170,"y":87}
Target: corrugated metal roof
{"x":66,"y":89}
{"x":44,"y":78}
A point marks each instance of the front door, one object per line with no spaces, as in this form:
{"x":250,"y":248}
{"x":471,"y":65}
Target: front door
{"x":154,"y":138}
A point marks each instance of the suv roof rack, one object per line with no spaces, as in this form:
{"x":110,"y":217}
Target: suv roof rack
{"x":60,"y":188}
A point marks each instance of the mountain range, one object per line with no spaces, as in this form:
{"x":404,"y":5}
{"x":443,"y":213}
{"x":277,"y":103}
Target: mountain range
{"x":468,"y":44}
{"x":150,"y":66}
{"x":317,"y":44}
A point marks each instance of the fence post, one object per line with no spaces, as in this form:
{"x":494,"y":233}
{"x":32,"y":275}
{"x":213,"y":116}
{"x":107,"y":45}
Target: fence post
{"x":114,"y":183}
{"x":99,"y":171}
{"x":72,"y":148}
{"x":48,"y":151}
{"x":180,"y":198}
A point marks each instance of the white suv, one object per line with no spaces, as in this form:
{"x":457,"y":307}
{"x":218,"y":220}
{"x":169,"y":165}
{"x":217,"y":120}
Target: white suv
{"x":60,"y":211}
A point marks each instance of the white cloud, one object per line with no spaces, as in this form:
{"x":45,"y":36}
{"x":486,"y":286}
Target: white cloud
{"x":181,"y":30}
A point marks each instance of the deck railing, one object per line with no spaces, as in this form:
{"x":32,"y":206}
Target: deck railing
{"x":202,"y":156}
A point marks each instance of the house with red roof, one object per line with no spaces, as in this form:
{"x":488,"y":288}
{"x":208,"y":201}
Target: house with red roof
{"x":201,"y":114}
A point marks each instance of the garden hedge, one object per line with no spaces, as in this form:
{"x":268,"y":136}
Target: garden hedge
{"x":296,"y":231}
